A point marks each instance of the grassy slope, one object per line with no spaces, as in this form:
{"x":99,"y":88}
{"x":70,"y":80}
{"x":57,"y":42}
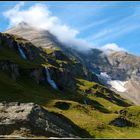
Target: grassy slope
{"x":92,"y":118}
{"x":87,"y":117}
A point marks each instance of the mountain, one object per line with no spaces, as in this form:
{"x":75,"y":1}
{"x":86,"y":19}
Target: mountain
{"x":118,"y":70}
{"x":36,"y":36}
{"x":122,"y":68}
{"x":69,"y":84}
{"x":40,"y":38}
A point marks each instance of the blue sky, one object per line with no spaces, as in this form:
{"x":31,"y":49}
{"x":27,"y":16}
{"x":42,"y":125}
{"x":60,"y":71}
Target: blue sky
{"x":98,"y":23}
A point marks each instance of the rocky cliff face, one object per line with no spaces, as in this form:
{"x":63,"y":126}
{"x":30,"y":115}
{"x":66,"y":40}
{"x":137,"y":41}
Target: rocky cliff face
{"x":11,"y":68}
{"x":62,"y":69}
{"x":40,"y":38}
{"x":29,"y":119}
{"x":11,"y":61}
{"x":119,"y":65}
{"x":129,"y":65}
{"x":65,"y":70}
{"x":68,"y":70}
{"x":119,"y":70}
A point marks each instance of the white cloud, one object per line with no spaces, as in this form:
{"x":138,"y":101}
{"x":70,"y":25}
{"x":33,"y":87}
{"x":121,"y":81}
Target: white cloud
{"x":111,"y":47}
{"x":39,"y":16}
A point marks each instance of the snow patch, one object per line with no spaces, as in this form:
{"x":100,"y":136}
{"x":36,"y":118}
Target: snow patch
{"x":116,"y":84}
{"x":105,"y":76}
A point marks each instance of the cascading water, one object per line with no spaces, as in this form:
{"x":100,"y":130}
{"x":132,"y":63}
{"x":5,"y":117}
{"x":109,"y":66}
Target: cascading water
{"x":21,"y":52}
{"x":85,"y":102}
{"x":50,"y":81}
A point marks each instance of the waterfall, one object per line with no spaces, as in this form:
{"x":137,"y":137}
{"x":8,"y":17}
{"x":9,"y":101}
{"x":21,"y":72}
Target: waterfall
{"x":85,"y":102}
{"x":21,"y":52}
{"x":50,"y":81}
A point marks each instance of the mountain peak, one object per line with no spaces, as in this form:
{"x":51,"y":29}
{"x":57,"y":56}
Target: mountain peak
{"x":24,"y":25}
{"x":39,"y":37}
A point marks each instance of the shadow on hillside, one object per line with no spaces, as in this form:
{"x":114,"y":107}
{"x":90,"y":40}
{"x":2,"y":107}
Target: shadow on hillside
{"x":77,"y":130}
{"x":113,"y":99}
{"x":98,"y":106}
{"x":62,"y":105}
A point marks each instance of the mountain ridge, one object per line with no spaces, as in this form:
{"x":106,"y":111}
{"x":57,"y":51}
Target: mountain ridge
{"x":119,"y":65}
{"x":80,"y":97}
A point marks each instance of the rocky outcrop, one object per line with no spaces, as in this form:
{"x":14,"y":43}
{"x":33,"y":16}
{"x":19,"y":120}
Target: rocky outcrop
{"x":38,"y":74}
{"x":8,"y":64}
{"x":11,"y":68}
{"x":122,"y":122}
{"x":12,"y":41}
{"x":67,"y":71}
{"x":29,"y":119}
{"x":128,"y":66}
{"x":38,"y":37}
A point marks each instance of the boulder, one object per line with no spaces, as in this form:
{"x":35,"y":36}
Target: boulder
{"x":29,"y":119}
{"x":11,"y":68}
